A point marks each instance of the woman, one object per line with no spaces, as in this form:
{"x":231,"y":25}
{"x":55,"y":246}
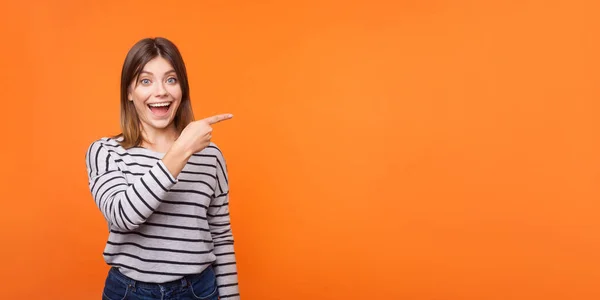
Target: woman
{"x":162,"y":187}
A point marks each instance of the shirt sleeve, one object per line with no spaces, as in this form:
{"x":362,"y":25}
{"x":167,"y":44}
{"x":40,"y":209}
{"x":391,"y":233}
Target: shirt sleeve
{"x":124,"y":206}
{"x":220,"y":228}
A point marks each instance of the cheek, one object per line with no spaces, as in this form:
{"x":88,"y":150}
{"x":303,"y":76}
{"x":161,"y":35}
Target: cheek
{"x":141,"y":94}
{"x":175,"y":92}
{"x":140,"y":107}
{"x":139,"y":97}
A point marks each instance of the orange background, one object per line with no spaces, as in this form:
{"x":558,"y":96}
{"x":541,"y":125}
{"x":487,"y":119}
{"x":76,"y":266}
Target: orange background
{"x":380,"y":150}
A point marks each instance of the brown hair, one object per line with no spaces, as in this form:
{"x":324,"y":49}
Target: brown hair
{"x":138,"y":56}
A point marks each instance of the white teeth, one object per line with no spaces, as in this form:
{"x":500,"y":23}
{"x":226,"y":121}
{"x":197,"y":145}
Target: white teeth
{"x":160,"y":104}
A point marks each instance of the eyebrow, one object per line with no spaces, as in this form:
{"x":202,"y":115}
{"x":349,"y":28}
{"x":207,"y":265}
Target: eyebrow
{"x":148,"y":72}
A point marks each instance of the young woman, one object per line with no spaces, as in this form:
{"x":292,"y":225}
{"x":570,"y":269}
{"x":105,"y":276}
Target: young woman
{"x":162,"y":187}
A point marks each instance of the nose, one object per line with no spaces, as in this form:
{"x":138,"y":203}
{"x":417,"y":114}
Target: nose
{"x":160,"y":90}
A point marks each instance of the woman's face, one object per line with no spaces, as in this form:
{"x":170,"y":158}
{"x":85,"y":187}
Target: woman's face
{"x":156,"y":94}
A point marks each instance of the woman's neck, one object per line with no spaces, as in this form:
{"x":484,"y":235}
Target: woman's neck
{"x":159,"y":140}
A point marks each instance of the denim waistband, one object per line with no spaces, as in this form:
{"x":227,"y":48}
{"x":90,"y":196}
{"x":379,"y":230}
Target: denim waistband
{"x":184,"y":281}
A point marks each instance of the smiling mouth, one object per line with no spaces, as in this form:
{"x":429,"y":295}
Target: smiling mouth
{"x":159,"y":109}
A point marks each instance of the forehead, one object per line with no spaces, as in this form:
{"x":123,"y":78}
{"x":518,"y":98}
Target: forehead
{"x":158,"y":65}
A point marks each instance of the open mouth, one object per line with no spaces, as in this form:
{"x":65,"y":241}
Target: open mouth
{"x":159,"y":109}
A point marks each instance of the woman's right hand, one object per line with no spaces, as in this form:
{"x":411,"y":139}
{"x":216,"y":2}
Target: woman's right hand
{"x":194,"y":138}
{"x":196,"y":135}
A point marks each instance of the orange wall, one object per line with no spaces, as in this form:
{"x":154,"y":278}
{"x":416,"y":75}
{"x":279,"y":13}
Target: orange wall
{"x":424,"y":150}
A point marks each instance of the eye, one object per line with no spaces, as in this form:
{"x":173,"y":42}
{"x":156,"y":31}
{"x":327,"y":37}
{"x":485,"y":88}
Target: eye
{"x":145,"y":81}
{"x":172,"y":80}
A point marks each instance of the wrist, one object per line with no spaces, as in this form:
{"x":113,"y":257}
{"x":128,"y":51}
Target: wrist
{"x":181,"y":150}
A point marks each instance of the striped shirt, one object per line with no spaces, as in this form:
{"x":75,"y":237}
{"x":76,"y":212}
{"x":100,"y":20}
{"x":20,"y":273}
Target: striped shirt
{"x":161,"y":227}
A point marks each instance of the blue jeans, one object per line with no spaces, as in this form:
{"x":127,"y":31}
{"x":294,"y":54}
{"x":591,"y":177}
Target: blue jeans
{"x":197,"y":286}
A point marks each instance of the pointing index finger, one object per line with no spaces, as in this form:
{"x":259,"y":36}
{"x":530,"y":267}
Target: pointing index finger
{"x":218,"y":118}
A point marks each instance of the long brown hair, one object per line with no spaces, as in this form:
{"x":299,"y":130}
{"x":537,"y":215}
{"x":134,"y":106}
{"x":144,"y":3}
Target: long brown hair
{"x":138,"y":56}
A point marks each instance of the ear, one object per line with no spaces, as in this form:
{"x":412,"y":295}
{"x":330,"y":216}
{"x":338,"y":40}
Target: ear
{"x":130,"y":89}
{"x":129,"y":94}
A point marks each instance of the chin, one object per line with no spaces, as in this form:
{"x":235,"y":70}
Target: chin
{"x":162,"y":124}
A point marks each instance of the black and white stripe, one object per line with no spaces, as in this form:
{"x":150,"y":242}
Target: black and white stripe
{"x":162,"y":227}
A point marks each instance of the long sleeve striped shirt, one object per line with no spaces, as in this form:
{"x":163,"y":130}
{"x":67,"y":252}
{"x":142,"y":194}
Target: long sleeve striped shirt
{"x":161,"y":227}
